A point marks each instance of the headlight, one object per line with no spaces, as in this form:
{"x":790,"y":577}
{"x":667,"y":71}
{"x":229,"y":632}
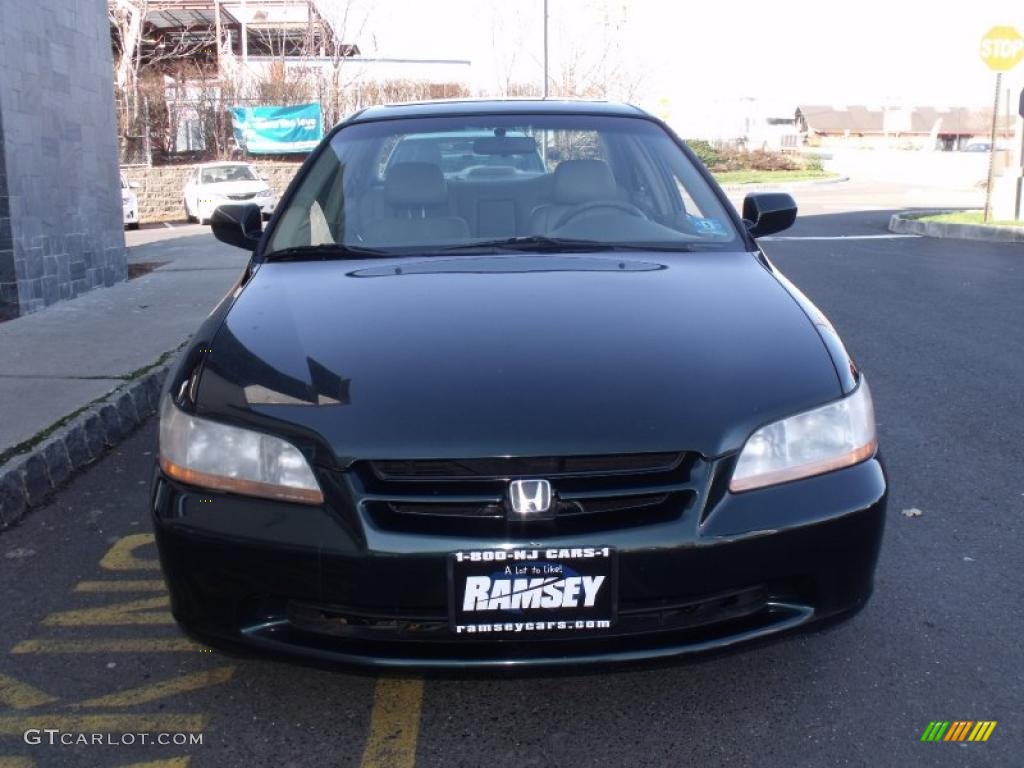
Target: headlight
{"x":212,"y":455}
{"x":833,"y":436}
{"x":264,"y":193}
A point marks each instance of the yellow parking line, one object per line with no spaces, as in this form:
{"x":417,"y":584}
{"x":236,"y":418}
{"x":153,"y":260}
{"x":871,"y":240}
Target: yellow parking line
{"x":162,"y":690}
{"x":174,"y":762}
{"x":19,"y":695}
{"x":115,"y":614}
{"x":121,"y":556}
{"x":127,"y":645}
{"x":127,"y":585}
{"x":166,"y":723}
{"x":394,"y":724}
{"x":16,"y":762}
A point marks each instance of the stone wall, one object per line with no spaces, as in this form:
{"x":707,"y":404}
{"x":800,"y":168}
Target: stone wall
{"x":60,"y":151}
{"x":160,"y":189}
{"x":8,"y":279}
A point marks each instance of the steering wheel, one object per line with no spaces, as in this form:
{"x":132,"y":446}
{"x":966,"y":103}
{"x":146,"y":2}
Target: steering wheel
{"x":595,"y":205}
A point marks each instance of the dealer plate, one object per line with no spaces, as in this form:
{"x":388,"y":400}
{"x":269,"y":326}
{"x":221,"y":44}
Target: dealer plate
{"x":515,"y":592}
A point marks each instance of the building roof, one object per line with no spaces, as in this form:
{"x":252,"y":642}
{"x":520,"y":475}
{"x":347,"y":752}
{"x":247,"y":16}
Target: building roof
{"x":274,"y":27}
{"x":904,"y":120}
{"x":470,"y":107}
{"x":826,"y":119}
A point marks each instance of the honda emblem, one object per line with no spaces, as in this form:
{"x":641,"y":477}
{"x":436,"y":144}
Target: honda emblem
{"x":529,"y":497}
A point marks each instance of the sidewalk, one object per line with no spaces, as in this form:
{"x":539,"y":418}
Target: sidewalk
{"x":80,"y":374}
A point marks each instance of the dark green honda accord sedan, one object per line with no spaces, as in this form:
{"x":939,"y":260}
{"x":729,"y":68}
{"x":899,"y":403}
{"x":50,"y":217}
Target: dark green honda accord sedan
{"x":512,"y":383}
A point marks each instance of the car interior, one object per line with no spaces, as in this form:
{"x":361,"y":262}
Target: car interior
{"x":595,"y":192}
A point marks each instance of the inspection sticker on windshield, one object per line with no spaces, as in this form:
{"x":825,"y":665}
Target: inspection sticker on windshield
{"x":708,"y":226}
{"x":499,"y":592}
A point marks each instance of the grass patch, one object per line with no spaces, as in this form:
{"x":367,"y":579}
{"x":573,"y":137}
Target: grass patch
{"x":138,"y":372}
{"x":756,"y":177}
{"x":969,"y":217}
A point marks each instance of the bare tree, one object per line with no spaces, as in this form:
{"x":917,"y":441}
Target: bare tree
{"x":346,"y":22}
{"x":508,"y":43}
{"x":126,"y":18}
{"x":283,"y":85}
{"x":590,"y":59}
{"x":136,"y":54}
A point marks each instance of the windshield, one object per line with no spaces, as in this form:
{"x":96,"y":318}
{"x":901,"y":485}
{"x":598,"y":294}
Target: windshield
{"x":459,"y":182}
{"x":218,"y":173}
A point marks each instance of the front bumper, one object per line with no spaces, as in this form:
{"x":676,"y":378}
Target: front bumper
{"x":208,"y":205}
{"x":325,"y":583}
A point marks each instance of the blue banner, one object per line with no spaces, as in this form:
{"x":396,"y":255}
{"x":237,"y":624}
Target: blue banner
{"x":277,"y":130}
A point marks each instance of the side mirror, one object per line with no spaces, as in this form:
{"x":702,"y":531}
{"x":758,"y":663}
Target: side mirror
{"x":766,"y":213}
{"x":240,"y":225}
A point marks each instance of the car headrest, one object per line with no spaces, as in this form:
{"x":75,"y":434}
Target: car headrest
{"x":417,"y":152}
{"x":415,"y":185}
{"x":580,"y":181}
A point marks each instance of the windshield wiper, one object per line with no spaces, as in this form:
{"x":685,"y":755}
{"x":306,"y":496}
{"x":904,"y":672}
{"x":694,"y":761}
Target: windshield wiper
{"x":529,"y":243}
{"x":326,"y":251}
{"x":544,"y":244}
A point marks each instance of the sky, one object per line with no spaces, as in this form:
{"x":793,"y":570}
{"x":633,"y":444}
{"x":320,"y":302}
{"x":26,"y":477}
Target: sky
{"x":679,"y":53}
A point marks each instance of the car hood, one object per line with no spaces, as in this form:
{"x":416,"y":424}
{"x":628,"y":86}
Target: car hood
{"x":470,"y":356}
{"x":233,"y":187}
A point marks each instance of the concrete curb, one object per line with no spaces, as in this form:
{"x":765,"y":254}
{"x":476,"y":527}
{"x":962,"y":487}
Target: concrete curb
{"x":754,"y":187}
{"x":28,"y":480}
{"x":909,"y":225}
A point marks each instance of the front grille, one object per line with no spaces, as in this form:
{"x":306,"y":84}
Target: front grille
{"x":467,"y":496}
{"x":469,"y":511}
{"x":242,"y":196}
{"x":504,"y":468}
{"x":432,"y":625}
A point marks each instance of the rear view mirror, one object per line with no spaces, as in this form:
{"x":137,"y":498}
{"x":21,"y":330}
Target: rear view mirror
{"x":505,"y":145}
{"x":238,"y":225}
{"x":766,"y":213}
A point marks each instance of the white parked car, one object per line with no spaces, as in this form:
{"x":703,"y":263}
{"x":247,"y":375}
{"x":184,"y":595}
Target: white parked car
{"x":129,"y":204}
{"x":214,"y":184}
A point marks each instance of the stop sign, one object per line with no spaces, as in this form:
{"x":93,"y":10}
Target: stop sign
{"x":1002,"y":48}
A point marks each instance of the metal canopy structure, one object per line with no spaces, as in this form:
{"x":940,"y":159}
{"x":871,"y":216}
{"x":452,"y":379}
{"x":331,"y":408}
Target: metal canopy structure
{"x":181,"y":14}
{"x":206,"y":29}
{"x":181,"y":25}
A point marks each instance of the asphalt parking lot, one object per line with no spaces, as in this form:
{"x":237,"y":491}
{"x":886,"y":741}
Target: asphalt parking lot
{"x":86,"y":643}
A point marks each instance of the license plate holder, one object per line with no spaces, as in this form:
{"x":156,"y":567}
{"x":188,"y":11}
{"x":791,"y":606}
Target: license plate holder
{"x":522,"y":592}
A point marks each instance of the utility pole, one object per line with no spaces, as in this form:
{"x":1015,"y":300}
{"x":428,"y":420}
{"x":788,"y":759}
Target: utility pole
{"x":220,"y":33}
{"x":245,"y":37}
{"x":545,"y":49}
{"x":992,"y":150}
